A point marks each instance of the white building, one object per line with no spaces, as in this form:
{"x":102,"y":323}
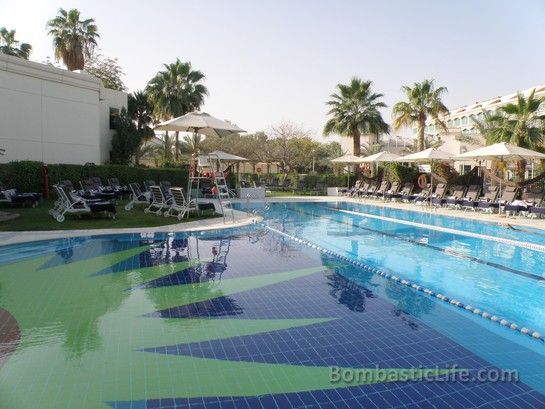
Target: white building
{"x":53,"y":115}
{"x":462,"y":133}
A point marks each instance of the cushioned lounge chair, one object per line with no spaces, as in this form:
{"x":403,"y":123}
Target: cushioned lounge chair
{"x":353,"y":190}
{"x":158,"y":201}
{"x":72,"y":204}
{"x":471,"y":198}
{"x":422,"y":197}
{"x":405,"y":193}
{"x":137,"y":196}
{"x":180,"y":206}
{"x":371,"y":188}
{"x":12,"y":197}
{"x":396,"y":186}
{"x":530,"y":200}
{"x":383,"y":188}
{"x":364,"y":187}
{"x":148,"y":184}
{"x":438,"y":197}
{"x":490,"y":196}
{"x":508,"y":195}
{"x":456,"y":196}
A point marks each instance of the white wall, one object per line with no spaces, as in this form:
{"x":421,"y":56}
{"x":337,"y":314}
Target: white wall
{"x":53,"y":115}
{"x":109,"y":98}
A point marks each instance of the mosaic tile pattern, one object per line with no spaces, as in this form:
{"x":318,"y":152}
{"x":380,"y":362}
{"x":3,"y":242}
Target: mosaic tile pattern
{"x":250,"y":320}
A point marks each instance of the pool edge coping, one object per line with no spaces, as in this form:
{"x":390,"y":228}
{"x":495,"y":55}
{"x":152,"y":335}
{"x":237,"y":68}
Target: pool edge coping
{"x":241,"y":219}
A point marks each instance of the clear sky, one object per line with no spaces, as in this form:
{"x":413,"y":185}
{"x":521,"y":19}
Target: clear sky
{"x":268,"y":61}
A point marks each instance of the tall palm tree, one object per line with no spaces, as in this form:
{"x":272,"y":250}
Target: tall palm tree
{"x":141,"y":112}
{"x":517,"y":123}
{"x":10,"y":46}
{"x":175,"y":91}
{"x":73,"y":39}
{"x":355,"y":110}
{"x":423,"y":101}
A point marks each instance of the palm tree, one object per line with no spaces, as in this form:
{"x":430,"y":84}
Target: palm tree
{"x":73,"y":39}
{"x":176,"y":91}
{"x":516,"y":123}
{"x":10,"y":46}
{"x":423,"y":101}
{"x":191,"y":144}
{"x":355,"y":110}
{"x":141,"y":112}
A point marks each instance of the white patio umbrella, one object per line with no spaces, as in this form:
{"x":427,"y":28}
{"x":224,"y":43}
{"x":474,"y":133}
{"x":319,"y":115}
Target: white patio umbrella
{"x":228,"y":157}
{"x":429,"y":155}
{"x":348,"y":159}
{"x":199,"y":123}
{"x":502,"y":151}
{"x":381,"y":157}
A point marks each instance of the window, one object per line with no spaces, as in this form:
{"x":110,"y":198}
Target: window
{"x":464,"y":120}
{"x":480,"y":117}
{"x":457,"y":122}
{"x":465,"y":169}
{"x":114,"y":113}
{"x":449,"y":123}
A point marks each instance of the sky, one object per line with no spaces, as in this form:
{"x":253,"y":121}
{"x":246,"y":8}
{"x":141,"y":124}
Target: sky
{"x":269,"y":61}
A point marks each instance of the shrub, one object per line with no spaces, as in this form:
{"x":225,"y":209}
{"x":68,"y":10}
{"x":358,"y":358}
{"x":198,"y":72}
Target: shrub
{"x":397,"y":172}
{"x":28,"y":176}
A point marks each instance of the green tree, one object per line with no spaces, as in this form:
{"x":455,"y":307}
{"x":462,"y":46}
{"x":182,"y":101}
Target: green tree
{"x":107,"y":70}
{"x":517,"y":123}
{"x":423,"y":101}
{"x":126,"y":140}
{"x":284,"y":147}
{"x":175,"y":91}
{"x":355,"y":110}
{"x":10,"y":46}
{"x":73,"y":39}
{"x":140,"y":111}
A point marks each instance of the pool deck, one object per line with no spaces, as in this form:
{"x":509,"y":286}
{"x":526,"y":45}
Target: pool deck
{"x":241,"y":219}
{"x":244,"y":218}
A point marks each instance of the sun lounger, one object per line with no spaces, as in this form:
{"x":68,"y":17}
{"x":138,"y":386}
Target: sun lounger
{"x":422,"y":197}
{"x":137,"y":196}
{"x":530,"y":200}
{"x":71,"y":204}
{"x":455,"y":199}
{"x":12,"y":197}
{"x":406,"y":192}
{"x":509,"y":195}
{"x":490,"y":196}
{"x":158,"y":201}
{"x":364,"y":187}
{"x":438,"y":197}
{"x":371,"y":188}
{"x":148,"y":184}
{"x":115,"y":186}
{"x":394,"y":189}
{"x":383,"y":188}
{"x":180,"y":206}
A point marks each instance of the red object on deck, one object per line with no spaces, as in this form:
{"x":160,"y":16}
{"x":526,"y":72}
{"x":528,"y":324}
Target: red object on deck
{"x":45,"y":174}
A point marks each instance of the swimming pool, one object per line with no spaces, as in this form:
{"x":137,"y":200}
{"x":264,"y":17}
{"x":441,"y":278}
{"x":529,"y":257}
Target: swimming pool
{"x":257,"y":317}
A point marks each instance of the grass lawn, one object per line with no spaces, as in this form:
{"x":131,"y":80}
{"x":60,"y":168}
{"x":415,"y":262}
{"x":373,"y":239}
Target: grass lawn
{"x":39,"y":219}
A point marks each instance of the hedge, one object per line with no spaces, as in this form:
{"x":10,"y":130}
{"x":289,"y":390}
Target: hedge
{"x":328,"y":179}
{"x":27,"y":176}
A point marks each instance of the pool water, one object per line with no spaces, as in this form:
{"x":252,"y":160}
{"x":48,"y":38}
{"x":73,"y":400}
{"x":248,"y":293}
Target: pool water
{"x":251,"y":318}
